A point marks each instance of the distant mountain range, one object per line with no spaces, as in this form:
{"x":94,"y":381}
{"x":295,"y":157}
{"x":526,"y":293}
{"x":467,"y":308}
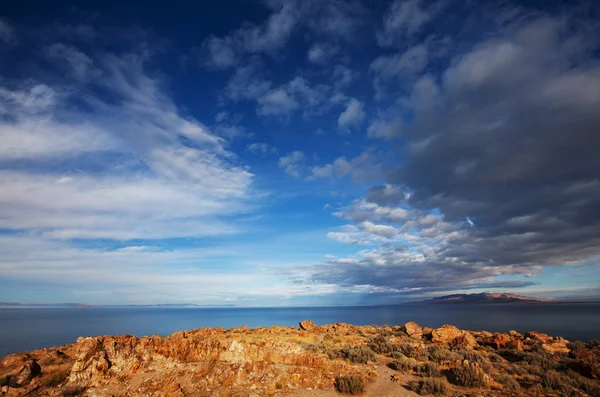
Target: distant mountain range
{"x":483,"y":297}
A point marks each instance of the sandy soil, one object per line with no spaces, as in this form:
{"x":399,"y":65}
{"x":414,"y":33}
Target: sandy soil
{"x":382,"y":387}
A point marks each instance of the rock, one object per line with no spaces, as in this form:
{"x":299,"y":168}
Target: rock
{"x":515,"y":334}
{"x":516,"y":344}
{"x":500,"y":341}
{"x":538,"y":336}
{"x":449,"y":334}
{"x":413,"y":330}
{"x":397,"y":378}
{"x":557,"y":345}
{"x":30,"y":370}
{"x":307,"y":325}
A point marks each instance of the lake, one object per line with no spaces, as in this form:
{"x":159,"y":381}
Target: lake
{"x":30,"y":329}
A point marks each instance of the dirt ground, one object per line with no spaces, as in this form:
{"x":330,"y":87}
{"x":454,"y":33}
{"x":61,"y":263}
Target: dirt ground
{"x":382,"y":387}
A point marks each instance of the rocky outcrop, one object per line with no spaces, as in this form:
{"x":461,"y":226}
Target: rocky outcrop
{"x":413,"y":330}
{"x":449,"y":334}
{"x":550,"y":344}
{"x":268,"y":361}
{"x":30,"y":370}
{"x":307,"y":325}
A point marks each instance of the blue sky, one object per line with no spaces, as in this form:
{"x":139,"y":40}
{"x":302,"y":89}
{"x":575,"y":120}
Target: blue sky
{"x":283,"y":153}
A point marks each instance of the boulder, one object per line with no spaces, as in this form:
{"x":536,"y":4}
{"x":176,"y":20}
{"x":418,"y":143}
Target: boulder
{"x":307,"y":325}
{"x":412,"y":329}
{"x":30,"y":370}
{"x":500,"y":341}
{"x":556,"y":345}
{"x":449,"y":334}
{"x":516,"y":344}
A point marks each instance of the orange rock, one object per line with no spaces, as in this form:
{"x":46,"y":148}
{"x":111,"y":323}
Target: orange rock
{"x":307,"y":325}
{"x":451,"y":335}
{"x":412,"y":329}
{"x":500,"y":341}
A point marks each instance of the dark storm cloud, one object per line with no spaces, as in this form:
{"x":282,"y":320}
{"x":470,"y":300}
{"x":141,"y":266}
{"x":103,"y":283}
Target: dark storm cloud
{"x":508,"y":138}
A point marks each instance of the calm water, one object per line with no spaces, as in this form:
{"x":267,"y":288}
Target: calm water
{"x":29,"y":329}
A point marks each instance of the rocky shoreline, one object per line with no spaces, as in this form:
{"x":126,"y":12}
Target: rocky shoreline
{"x":320,"y":359}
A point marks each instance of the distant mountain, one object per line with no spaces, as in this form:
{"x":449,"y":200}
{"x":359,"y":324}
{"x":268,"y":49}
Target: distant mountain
{"x":483,"y":297}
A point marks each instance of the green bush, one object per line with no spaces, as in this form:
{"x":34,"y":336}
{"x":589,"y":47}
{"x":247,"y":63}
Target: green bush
{"x":438,"y":354}
{"x":404,"y":364}
{"x":357,"y":354}
{"x":435,"y":386}
{"x":381,"y":345}
{"x":350,"y":384}
{"x":467,"y":375}
{"x":429,"y":370}
{"x":507,"y":381}
{"x":408,"y":350}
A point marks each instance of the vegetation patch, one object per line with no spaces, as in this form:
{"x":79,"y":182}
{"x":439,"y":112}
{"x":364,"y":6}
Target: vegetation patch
{"x":350,"y":384}
{"x":467,"y":375}
{"x":426,"y":386}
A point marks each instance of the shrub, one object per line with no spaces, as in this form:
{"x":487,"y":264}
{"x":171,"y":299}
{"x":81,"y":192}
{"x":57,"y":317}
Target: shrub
{"x":507,"y":381}
{"x":357,"y":354}
{"x":72,"y":391}
{"x":467,"y":375}
{"x":56,"y":378}
{"x":438,"y":354}
{"x":408,"y":350}
{"x":404,"y":364}
{"x":476,"y":357}
{"x":555,"y":381}
{"x":542,"y":360}
{"x":350,"y":384}
{"x":381,"y":345}
{"x":435,"y":386}
{"x":429,"y":370}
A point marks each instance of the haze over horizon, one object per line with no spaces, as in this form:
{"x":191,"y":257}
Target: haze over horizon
{"x":290,"y":153}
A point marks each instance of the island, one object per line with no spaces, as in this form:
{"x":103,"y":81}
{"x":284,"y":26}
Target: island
{"x":310,"y":360}
{"x":484,"y":297}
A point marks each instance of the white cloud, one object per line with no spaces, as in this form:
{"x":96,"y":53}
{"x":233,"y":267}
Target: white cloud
{"x":262,"y":148}
{"x":221,"y":53}
{"x":292,"y":163}
{"x":343,"y":76}
{"x":138,"y":178}
{"x":325,"y":171}
{"x":81,"y":66}
{"x":276,"y":102}
{"x":362,"y":168}
{"x":404,"y":18}
{"x":320,"y":53}
{"x":403,"y":65}
{"x":386,"y":129}
{"x":269,"y":36}
{"x":352,"y":116}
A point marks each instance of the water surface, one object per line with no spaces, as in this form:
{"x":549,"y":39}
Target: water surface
{"x":29,"y":329}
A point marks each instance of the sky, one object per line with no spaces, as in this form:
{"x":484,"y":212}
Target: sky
{"x":298,"y":152}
